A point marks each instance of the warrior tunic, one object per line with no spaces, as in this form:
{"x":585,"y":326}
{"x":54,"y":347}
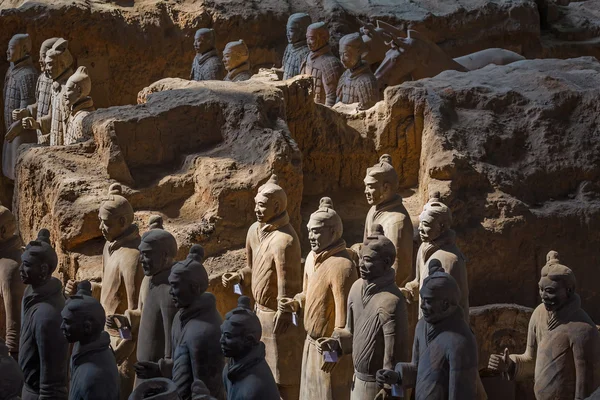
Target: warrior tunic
{"x":358,"y":86}
{"x":326,"y":70}
{"x":238,"y":74}
{"x":74,"y":131}
{"x":19,"y":92}
{"x":293,"y":57}
{"x":273,"y":271}
{"x":376,"y":331}
{"x":397,"y":226}
{"x":207,"y":66}
{"x":562,"y":353}
{"x":53,"y":125}
{"x":328,"y":277}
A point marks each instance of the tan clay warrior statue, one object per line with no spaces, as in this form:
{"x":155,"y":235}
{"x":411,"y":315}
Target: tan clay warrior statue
{"x":273,"y":272}
{"x":381,"y":187}
{"x":78,"y":104}
{"x":297,"y":49}
{"x":439,"y":242}
{"x":321,"y":64}
{"x":563,"y":343}
{"x":121,"y":278}
{"x":357,"y":84}
{"x":207,"y":65}
{"x":43,"y":90}
{"x":19,"y":92}
{"x":329,"y":273}
{"x":376,"y":332}
{"x":11,"y":287}
{"x":59,"y":65}
{"x":235,"y":59}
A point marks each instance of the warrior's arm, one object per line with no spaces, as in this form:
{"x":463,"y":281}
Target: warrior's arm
{"x":340,"y":286}
{"x":53,"y":349}
{"x":168,"y":311}
{"x":286,"y":256}
{"x":408,"y":371}
{"x":246,"y":272}
{"x":12,"y":291}
{"x":301,"y":297}
{"x":586,"y":348}
{"x":395,"y":336}
{"x":525,"y":363}
{"x":462,"y":360}
{"x":345,"y":336}
{"x":27,"y":89}
{"x":132,"y":274}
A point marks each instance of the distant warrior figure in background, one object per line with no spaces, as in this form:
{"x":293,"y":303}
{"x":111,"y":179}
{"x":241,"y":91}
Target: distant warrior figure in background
{"x":155,"y":222}
{"x":19,"y":92}
{"x":59,"y":65}
{"x":321,"y":64}
{"x":43,"y":91}
{"x":43,"y":351}
{"x":439,"y":242}
{"x":273,"y":272}
{"x":444,"y":356}
{"x":235,"y":59}
{"x":121,"y":279}
{"x":563,"y":343}
{"x":376,"y":332}
{"x":329,"y":273}
{"x":381,"y":191}
{"x":297,"y":49}
{"x":247,"y":375}
{"x":195,"y":336}
{"x":11,"y":383}
{"x":94,"y":373}
{"x":357,"y":84}
{"x":78,"y":104}
{"x":206,"y":65}
{"x":11,"y":287}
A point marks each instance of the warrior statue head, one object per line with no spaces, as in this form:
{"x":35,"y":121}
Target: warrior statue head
{"x":116,"y":214}
{"x":324,"y":227}
{"x":351,"y":48}
{"x":381,"y":181}
{"x":204,"y":40}
{"x":19,"y":47}
{"x":241,"y":331}
{"x":46,"y":46}
{"x":296,"y":27}
{"x":317,"y":36}
{"x":440,"y":294}
{"x":58,"y":59}
{"x":83,"y":316}
{"x":377,"y":255}
{"x":271,"y":201}
{"x":188,"y":279}
{"x":557,"y":283}
{"x":235,"y":54}
{"x":158,"y":249}
{"x":435,"y":219}
{"x":78,"y":87}
{"x":38,"y":261}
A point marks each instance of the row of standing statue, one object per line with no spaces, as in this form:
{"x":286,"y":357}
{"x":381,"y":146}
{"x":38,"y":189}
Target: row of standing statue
{"x":337,"y":329}
{"x":49,"y":108}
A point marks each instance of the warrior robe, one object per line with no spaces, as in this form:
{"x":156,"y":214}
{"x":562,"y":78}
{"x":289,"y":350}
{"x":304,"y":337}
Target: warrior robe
{"x":562,"y":353}
{"x":273,"y":271}
{"x":11,"y":291}
{"x":122,"y":277}
{"x":293,"y":57}
{"x":94,"y":373}
{"x":43,"y":95}
{"x":326,"y":70}
{"x":445,"y":250}
{"x":19,"y":92}
{"x":74,"y":131}
{"x":53,"y":125}
{"x":155,"y":318}
{"x":250,"y":378}
{"x":43,"y":351}
{"x":328,"y":277}
{"x":358,"y":86}
{"x":239,"y":73}
{"x":397,"y":226}
{"x":444,"y":361}
{"x":196,"y":354}
{"x":376,"y":332}
{"x":207,"y":67}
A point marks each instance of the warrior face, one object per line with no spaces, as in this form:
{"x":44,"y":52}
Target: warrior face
{"x":372,"y":265}
{"x":153,"y":260}
{"x":182,"y":291}
{"x":112,"y":226}
{"x":32,"y":271}
{"x":12,"y":52}
{"x":266,"y":208}
{"x":377,"y":191}
{"x":434,"y":309}
{"x":235,"y":341}
{"x":554,"y":293}
{"x":203,"y":40}
{"x":316,"y":38}
{"x":350,"y":56}
{"x":74,"y":328}
{"x":72,"y":93}
{"x":319,"y":235}
{"x":295,"y":33}
{"x":429,"y":227}
{"x":52,"y":67}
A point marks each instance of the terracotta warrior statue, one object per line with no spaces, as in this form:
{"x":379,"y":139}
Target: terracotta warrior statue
{"x":195,"y":336}
{"x":357,"y":84}
{"x":43,"y":351}
{"x":438,"y":242}
{"x":247,"y":374}
{"x":235,"y":59}
{"x":563,"y":343}
{"x":381,"y":191}
{"x":273,"y":272}
{"x":59,"y":65}
{"x":43,"y":91}
{"x":121,"y":279}
{"x":444,"y":356}
{"x":207,"y":65}
{"x":11,"y":383}
{"x":78,"y":104}
{"x":94,"y":373}
{"x":376,"y":332}
{"x":156,"y":309}
{"x":321,"y":64}
{"x":11,"y":287}
{"x":297,"y":49}
{"x":19,"y":92}
{"x":329,"y":273}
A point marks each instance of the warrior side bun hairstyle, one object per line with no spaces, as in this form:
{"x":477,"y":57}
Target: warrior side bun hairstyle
{"x":192,"y":270}
{"x":41,"y":250}
{"x":242,"y":316}
{"x":84,"y":305}
{"x":117,"y":205}
{"x":555,"y":271}
{"x":380,"y":244}
{"x":440,"y":284}
{"x":327,"y":215}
